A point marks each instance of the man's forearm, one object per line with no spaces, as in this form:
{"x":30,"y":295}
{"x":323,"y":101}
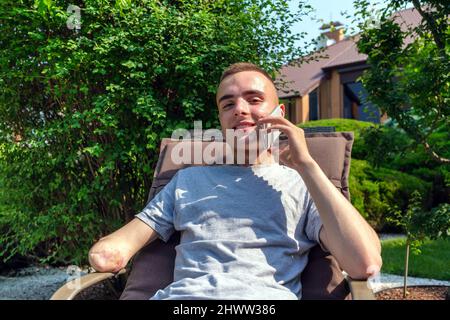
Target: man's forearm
{"x":347,"y":235}
{"x":112,"y":253}
{"x":136,"y":234}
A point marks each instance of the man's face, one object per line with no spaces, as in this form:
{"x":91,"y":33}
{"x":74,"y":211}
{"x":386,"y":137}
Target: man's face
{"x":243,"y":98}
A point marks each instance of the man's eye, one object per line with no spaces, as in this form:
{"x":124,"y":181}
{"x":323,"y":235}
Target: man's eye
{"x":227,"y":106}
{"x":255,"y":101}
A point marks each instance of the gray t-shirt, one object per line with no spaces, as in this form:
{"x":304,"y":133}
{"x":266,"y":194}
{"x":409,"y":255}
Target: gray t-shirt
{"x":245,"y":231}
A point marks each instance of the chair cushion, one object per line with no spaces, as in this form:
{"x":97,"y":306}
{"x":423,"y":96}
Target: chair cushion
{"x":152,"y":267}
{"x":322,"y":278}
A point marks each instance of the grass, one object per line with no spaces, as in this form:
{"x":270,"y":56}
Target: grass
{"x":433,"y":262}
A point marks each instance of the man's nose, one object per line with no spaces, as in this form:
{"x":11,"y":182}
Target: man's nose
{"x":241,"y":107}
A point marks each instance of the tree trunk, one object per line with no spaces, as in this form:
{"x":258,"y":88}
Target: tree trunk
{"x":406,"y":269}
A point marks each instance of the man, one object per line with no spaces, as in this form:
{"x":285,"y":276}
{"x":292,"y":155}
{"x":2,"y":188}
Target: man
{"x":246,"y":229}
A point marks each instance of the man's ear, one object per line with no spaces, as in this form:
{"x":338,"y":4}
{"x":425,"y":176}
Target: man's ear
{"x":283,"y":110}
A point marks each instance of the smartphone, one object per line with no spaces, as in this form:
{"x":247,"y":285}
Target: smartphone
{"x":273,"y":135}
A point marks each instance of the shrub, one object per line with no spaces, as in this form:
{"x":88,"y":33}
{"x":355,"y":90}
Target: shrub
{"x":378,"y":192}
{"x":82,"y":112}
{"x":380,"y":145}
{"x":340,"y":125}
{"x":387,"y":146}
{"x":416,"y":161}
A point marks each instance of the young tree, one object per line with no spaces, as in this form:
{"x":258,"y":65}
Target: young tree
{"x":409,"y":67}
{"x":420,"y":225}
{"x":88,"y":91}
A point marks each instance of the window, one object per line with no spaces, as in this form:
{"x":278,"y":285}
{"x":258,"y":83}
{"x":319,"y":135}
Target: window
{"x":313,"y":105}
{"x":356,"y":105}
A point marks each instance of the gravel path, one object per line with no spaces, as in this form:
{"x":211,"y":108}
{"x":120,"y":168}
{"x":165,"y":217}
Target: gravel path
{"x":35,"y":283}
{"x":387,"y":236}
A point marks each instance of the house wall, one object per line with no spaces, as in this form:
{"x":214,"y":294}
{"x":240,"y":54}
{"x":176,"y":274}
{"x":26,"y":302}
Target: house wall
{"x":301,"y":109}
{"x":304,"y":111}
{"x":324,"y":99}
{"x":336,"y":93}
{"x":298,"y":107}
{"x":331,"y":96}
{"x":292,"y":106}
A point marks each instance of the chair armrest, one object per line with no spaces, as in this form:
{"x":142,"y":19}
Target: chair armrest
{"x":360,"y":289}
{"x":69,"y":290}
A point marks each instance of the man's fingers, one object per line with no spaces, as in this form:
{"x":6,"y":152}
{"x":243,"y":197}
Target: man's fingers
{"x":274,"y":119}
{"x":281,"y":127}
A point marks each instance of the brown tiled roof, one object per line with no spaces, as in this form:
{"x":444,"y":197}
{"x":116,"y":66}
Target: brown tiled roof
{"x":306,"y":77}
{"x":406,"y":19}
{"x":348,"y":55}
{"x":300,"y":80}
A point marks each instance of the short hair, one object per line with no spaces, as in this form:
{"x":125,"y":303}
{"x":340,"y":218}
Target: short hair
{"x":244,"y":66}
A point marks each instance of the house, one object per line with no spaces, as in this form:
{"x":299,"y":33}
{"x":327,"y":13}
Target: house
{"x":329,"y":87}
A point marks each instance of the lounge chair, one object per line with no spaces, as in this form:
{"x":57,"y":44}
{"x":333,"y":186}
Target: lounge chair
{"x":152,"y":267}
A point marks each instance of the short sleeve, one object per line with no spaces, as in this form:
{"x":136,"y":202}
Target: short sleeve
{"x":159,"y":212}
{"x":313,"y":221}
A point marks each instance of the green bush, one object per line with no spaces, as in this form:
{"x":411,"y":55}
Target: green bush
{"x":418,"y":158}
{"x":416,"y":161}
{"x":82,"y":112}
{"x":386,"y":146}
{"x":380,"y":145}
{"x":378,"y":192}
{"x":342,"y":125}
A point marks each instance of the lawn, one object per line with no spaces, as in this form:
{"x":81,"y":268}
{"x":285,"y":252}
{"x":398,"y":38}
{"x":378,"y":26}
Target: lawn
{"x":433,"y":262}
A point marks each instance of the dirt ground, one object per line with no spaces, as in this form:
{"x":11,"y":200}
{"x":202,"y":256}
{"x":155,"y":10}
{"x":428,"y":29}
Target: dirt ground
{"x":415,"y":293}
